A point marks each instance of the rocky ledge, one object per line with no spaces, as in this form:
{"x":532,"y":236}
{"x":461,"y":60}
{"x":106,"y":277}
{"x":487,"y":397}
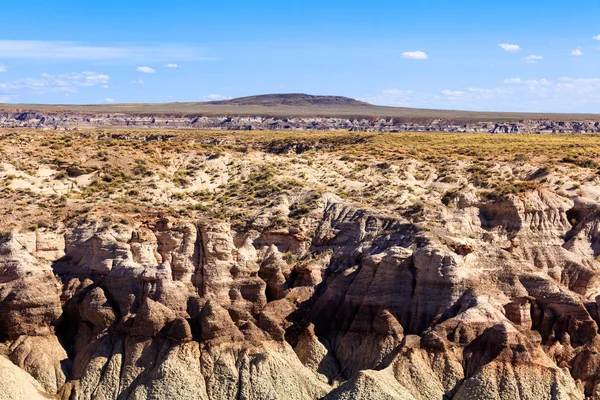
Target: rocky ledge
{"x":70,"y":121}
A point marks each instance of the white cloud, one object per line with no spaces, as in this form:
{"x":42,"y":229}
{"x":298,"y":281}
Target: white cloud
{"x":109,"y":100}
{"x":484,"y":94}
{"x":3,"y":68}
{"x":531,"y":82}
{"x":60,"y":51}
{"x":581,"y":80}
{"x":138,"y":82}
{"x":215,"y":97}
{"x":145,"y":70}
{"x":577,"y":52}
{"x":415,"y":55}
{"x":105,"y":86}
{"x":510,"y":47}
{"x":533,"y":59}
{"x":396,"y":92}
{"x":172,"y":65}
{"x":581,"y":86}
{"x":4,"y":99}
{"x":513,"y":80}
{"x":566,"y":94}
{"x":453,"y":93}
{"x":391,"y":97}
{"x":55,"y":83}
{"x":480,"y":90}
{"x":597,"y":37}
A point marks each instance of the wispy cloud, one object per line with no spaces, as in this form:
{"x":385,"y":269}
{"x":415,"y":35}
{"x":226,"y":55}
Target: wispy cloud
{"x":138,"y":82}
{"x":533,"y":59}
{"x":448,"y":92}
{"x":70,"y":83}
{"x":535,"y":82}
{"x":565,"y":94}
{"x":391,"y":97}
{"x":581,"y":86}
{"x":109,"y":100}
{"x":145,"y":70}
{"x":38,"y":50}
{"x":472,"y":94}
{"x":172,"y":65}
{"x":512,"y":48}
{"x":415,"y":55}
{"x":215,"y":97}
{"x":396,"y":92}
{"x":597,"y":37}
{"x":577,"y":52}
{"x":3,"y":68}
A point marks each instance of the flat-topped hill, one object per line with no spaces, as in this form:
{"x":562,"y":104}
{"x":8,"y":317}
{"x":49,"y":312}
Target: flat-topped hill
{"x":292,"y":99}
{"x":298,"y":105}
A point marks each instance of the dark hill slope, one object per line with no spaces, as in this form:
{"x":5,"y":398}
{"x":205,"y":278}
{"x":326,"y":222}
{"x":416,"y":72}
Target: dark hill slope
{"x":292,"y":99}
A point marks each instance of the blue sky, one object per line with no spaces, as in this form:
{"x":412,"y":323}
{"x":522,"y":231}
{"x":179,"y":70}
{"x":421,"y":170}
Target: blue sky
{"x":476,"y":55}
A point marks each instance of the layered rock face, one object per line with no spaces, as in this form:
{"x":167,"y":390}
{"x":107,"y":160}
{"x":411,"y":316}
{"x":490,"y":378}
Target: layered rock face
{"x":73,"y":120}
{"x":495,"y":300}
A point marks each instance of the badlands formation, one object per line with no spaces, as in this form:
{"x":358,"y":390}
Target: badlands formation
{"x":312,"y":265}
{"x":288,"y":111}
{"x":74,"y":121}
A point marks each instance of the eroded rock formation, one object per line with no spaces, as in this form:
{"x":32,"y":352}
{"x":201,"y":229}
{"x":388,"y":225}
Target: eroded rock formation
{"x":74,"y":120}
{"x":497,"y":300}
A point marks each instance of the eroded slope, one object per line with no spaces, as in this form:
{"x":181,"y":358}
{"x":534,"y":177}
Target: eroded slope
{"x":334,"y":266}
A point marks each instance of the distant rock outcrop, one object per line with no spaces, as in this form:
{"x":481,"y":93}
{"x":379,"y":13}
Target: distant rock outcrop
{"x":74,"y":120}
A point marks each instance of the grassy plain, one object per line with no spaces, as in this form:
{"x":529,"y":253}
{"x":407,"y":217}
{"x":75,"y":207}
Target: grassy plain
{"x":355,"y":110}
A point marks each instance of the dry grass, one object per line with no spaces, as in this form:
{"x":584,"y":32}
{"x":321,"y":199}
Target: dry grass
{"x":353,"y":111}
{"x":52,"y":178}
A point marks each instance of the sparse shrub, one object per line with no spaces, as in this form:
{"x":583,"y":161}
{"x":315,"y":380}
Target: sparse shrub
{"x":5,"y":236}
{"x":449,"y":196}
{"x":178,"y":196}
{"x":502,"y":192}
{"x":415,"y":210}
{"x":298,"y":210}
{"x":583,"y":163}
{"x":521,"y":157}
{"x":61,"y":175}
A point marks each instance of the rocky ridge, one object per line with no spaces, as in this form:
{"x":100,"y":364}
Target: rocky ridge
{"x":70,"y":121}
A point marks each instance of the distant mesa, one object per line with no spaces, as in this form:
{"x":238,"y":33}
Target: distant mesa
{"x":290,"y":99}
{"x":274,"y":111}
